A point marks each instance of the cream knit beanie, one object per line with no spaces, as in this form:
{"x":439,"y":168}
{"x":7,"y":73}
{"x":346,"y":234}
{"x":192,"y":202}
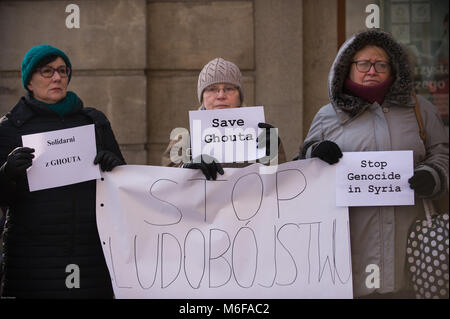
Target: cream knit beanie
{"x":219,"y":71}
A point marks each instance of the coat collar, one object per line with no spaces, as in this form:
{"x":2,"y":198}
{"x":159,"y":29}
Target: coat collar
{"x":345,"y":116}
{"x":27,"y":108}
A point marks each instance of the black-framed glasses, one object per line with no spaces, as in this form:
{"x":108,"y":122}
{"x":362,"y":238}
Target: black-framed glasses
{"x":365,"y":65}
{"x":48,"y":71}
{"x":216,"y":90}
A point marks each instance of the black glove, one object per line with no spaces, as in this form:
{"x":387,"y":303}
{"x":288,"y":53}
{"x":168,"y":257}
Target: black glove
{"x":209,"y":166}
{"x":327,"y":151}
{"x":264,"y":138}
{"x":18,"y":161}
{"x":422,"y":182}
{"x":108,"y":160}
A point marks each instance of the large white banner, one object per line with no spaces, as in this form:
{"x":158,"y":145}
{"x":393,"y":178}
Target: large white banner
{"x":169,"y":233}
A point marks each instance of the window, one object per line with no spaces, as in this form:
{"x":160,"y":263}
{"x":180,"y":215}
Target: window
{"x":422,"y":26}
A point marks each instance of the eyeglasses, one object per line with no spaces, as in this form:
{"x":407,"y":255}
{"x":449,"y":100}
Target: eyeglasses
{"x":216,"y":90}
{"x":380,"y":66}
{"x":48,"y":71}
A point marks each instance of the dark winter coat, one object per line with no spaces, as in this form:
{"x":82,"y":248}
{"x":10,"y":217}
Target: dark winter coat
{"x":378,"y":234}
{"x":48,"y":230}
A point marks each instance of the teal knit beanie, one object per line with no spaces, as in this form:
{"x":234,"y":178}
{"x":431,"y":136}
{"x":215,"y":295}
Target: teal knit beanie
{"x":36,"y":54}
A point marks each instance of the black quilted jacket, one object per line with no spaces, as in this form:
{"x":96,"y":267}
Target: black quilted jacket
{"x":48,"y":230}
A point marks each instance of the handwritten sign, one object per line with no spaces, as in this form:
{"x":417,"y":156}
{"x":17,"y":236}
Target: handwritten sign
{"x":374,"y":179}
{"x":169,"y":233}
{"x":62,"y":157}
{"x":229,"y":135}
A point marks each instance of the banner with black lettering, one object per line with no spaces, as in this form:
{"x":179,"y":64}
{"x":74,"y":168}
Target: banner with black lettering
{"x":169,"y":233}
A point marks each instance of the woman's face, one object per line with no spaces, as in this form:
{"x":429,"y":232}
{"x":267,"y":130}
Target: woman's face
{"x":371,"y":54}
{"x":221,"y":96}
{"x":49,"y":90}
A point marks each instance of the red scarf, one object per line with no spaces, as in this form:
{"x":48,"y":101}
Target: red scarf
{"x":375,"y":93}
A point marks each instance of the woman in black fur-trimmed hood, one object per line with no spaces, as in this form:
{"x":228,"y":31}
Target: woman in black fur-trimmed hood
{"x":371,"y":108}
{"x":48,"y":230}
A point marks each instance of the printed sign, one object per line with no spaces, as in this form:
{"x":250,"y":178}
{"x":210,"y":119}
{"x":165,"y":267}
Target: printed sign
{"x":374,"y":179}
{"x":228,"y":135}
{"x":169,"y":233}
{"x":62,"y":157}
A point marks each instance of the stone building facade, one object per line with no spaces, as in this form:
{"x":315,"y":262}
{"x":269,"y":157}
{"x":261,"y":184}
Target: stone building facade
{"x":138,"y":61}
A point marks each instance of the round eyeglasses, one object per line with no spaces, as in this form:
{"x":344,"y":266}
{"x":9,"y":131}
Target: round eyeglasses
{"x":48,"y":71}
{"x":380,"y":66}
{"x":216,"y":90}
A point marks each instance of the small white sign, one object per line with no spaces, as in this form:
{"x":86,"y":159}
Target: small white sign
{"x":62,"y":157}
{"x":228,"y":135}
{"x":374,"y":179}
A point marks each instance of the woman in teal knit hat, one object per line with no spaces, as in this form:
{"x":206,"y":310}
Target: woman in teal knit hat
{"x":50,"y":229}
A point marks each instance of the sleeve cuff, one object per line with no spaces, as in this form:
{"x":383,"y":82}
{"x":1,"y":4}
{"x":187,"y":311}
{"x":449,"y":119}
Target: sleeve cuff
{"x":436,"y":177}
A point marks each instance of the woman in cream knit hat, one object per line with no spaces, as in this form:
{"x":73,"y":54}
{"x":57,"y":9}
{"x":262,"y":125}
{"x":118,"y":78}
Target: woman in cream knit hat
{"x":219,"y":87}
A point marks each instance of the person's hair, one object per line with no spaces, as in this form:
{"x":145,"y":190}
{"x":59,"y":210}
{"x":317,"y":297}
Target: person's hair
{"x":45,"y":60}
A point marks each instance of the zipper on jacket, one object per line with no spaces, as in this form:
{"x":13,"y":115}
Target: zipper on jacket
{"x":380,"y":222}
{"x":72,"y":228}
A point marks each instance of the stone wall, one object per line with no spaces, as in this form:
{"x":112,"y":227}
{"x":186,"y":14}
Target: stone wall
{"x":138,"y":61}
{"x":107,"y":52}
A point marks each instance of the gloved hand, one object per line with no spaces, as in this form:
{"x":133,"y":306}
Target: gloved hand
{"x":209,"y":166}
{"x":327,"y":151}
{"x":18,"y":161}
{"x":422,"y":182}
{"x":264,"y":138}
{"x":107,"y":160}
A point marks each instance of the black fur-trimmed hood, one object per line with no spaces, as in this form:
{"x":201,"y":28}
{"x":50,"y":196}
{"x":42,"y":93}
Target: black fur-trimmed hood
{"x":402,"y":87}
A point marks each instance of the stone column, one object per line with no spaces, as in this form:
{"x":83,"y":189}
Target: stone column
{"x":279,"y":67}
{"x":320,"y":41}
{"x":107,"y":52}
{"x":182,"y":37}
